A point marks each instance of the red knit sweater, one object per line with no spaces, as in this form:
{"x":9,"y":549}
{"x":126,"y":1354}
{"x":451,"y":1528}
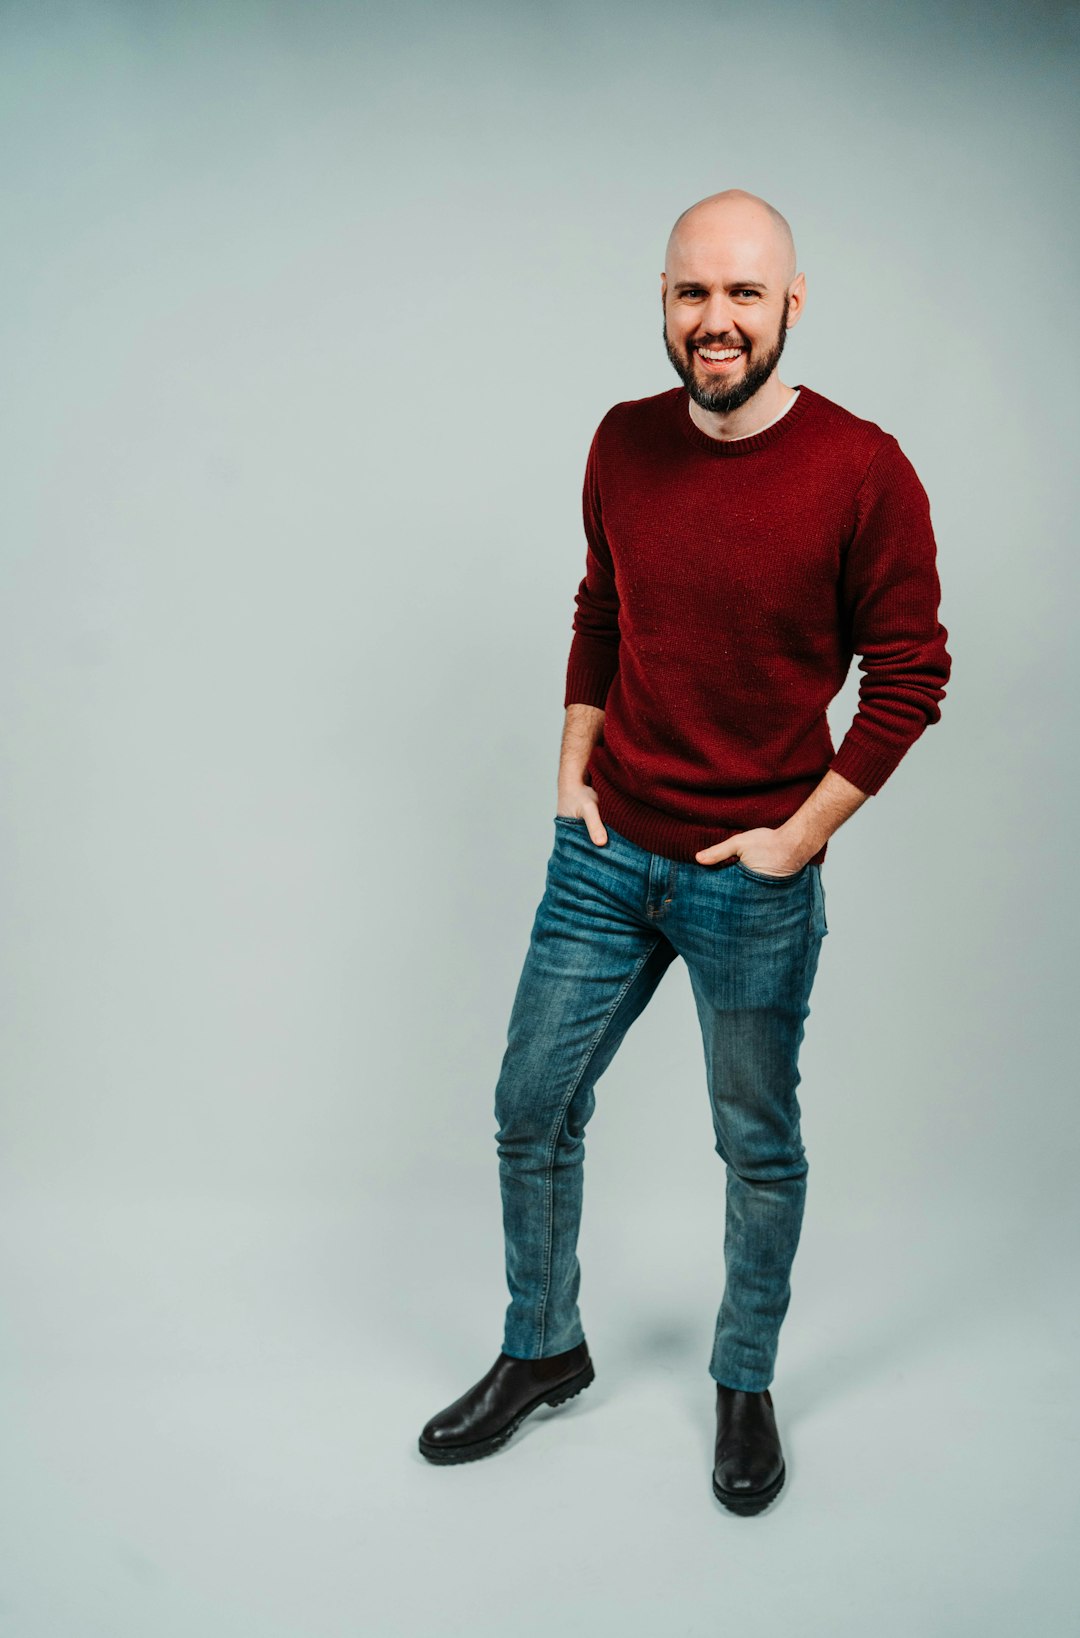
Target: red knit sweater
{"x":728,"y":585}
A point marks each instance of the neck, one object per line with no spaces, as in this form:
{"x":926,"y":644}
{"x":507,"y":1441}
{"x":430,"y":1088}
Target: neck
{"x":750,"y":417}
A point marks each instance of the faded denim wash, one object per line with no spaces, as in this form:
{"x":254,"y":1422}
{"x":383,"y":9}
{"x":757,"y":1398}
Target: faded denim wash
{"x":611,"y":921}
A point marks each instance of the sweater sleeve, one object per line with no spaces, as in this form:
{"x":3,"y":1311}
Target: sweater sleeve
{"x":890,"y":593}
{"x":594,"y":650}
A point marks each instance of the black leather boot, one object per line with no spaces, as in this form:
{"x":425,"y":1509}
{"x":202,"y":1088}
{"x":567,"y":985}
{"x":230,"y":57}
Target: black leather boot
{"x":485,"y":1417}
{"x":749,"y":1464}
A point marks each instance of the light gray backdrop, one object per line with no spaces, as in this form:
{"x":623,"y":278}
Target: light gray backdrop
{"x":310,"y":312}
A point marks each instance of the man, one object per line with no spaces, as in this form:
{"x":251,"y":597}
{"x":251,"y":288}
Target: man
{"x":745,"y":540}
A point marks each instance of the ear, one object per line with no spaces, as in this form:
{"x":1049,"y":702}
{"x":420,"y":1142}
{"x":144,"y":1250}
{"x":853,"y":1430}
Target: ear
{"x":796,"y":299}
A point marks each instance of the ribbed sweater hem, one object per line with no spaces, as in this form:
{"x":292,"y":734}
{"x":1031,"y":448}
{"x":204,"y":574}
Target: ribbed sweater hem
{"x":660,"y":833}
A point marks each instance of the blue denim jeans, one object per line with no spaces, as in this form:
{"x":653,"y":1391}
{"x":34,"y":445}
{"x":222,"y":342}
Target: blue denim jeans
{"x":611,"y":921}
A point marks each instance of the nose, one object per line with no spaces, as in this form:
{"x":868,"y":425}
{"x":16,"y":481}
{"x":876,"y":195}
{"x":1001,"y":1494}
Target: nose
{"x":716,"y":315}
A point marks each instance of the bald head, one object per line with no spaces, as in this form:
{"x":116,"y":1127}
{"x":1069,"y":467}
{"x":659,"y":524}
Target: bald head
{"x":739,"y":221}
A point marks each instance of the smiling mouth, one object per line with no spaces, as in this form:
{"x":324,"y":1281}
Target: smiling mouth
{"x":719,"y":358}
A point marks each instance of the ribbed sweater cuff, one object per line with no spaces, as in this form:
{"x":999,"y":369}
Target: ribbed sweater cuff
{"x":587,"y":683}
{"x":865,"y":767}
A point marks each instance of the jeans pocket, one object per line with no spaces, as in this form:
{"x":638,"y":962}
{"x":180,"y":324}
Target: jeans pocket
{"x":567,"y":819}
{"x":773,"y":881}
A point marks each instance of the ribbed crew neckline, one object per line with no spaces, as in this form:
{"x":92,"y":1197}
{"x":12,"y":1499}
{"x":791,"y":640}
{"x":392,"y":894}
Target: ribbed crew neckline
{"x":730,"y":447}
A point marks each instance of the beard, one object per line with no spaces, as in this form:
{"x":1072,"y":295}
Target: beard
{"x":718,"y":395}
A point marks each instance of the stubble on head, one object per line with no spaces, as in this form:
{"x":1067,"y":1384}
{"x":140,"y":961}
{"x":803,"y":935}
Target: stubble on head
{"x":748,"y":206}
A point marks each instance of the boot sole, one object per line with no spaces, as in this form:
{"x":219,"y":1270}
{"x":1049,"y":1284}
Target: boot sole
{"x":753,"y":1501}
{"x":445,"y":1454}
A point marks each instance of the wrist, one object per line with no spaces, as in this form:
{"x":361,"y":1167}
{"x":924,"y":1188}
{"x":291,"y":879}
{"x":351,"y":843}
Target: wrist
{"x":802,"y":840}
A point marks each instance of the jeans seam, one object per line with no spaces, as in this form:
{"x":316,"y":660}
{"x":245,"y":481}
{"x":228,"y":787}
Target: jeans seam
{"x":816,"y":901}
{"x":590,"y":1054}
{"x":814,"y":941}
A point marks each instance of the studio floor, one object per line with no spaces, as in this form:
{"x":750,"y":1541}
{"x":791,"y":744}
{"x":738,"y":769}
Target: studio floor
{"x":202,"y":1434}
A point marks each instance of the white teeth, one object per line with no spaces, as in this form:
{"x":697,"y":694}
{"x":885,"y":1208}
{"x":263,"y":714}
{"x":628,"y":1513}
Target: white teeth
{"x":730,"y":352}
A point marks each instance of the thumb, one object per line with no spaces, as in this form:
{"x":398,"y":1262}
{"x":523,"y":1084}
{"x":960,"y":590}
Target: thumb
{"x":718,"y":852}
{"x":595,"y":826}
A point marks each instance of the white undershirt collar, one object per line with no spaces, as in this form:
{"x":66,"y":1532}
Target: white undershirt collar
{"x":768,"y":424}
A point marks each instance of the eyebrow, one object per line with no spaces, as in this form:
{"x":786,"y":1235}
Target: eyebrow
{"x":735,"y":284}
